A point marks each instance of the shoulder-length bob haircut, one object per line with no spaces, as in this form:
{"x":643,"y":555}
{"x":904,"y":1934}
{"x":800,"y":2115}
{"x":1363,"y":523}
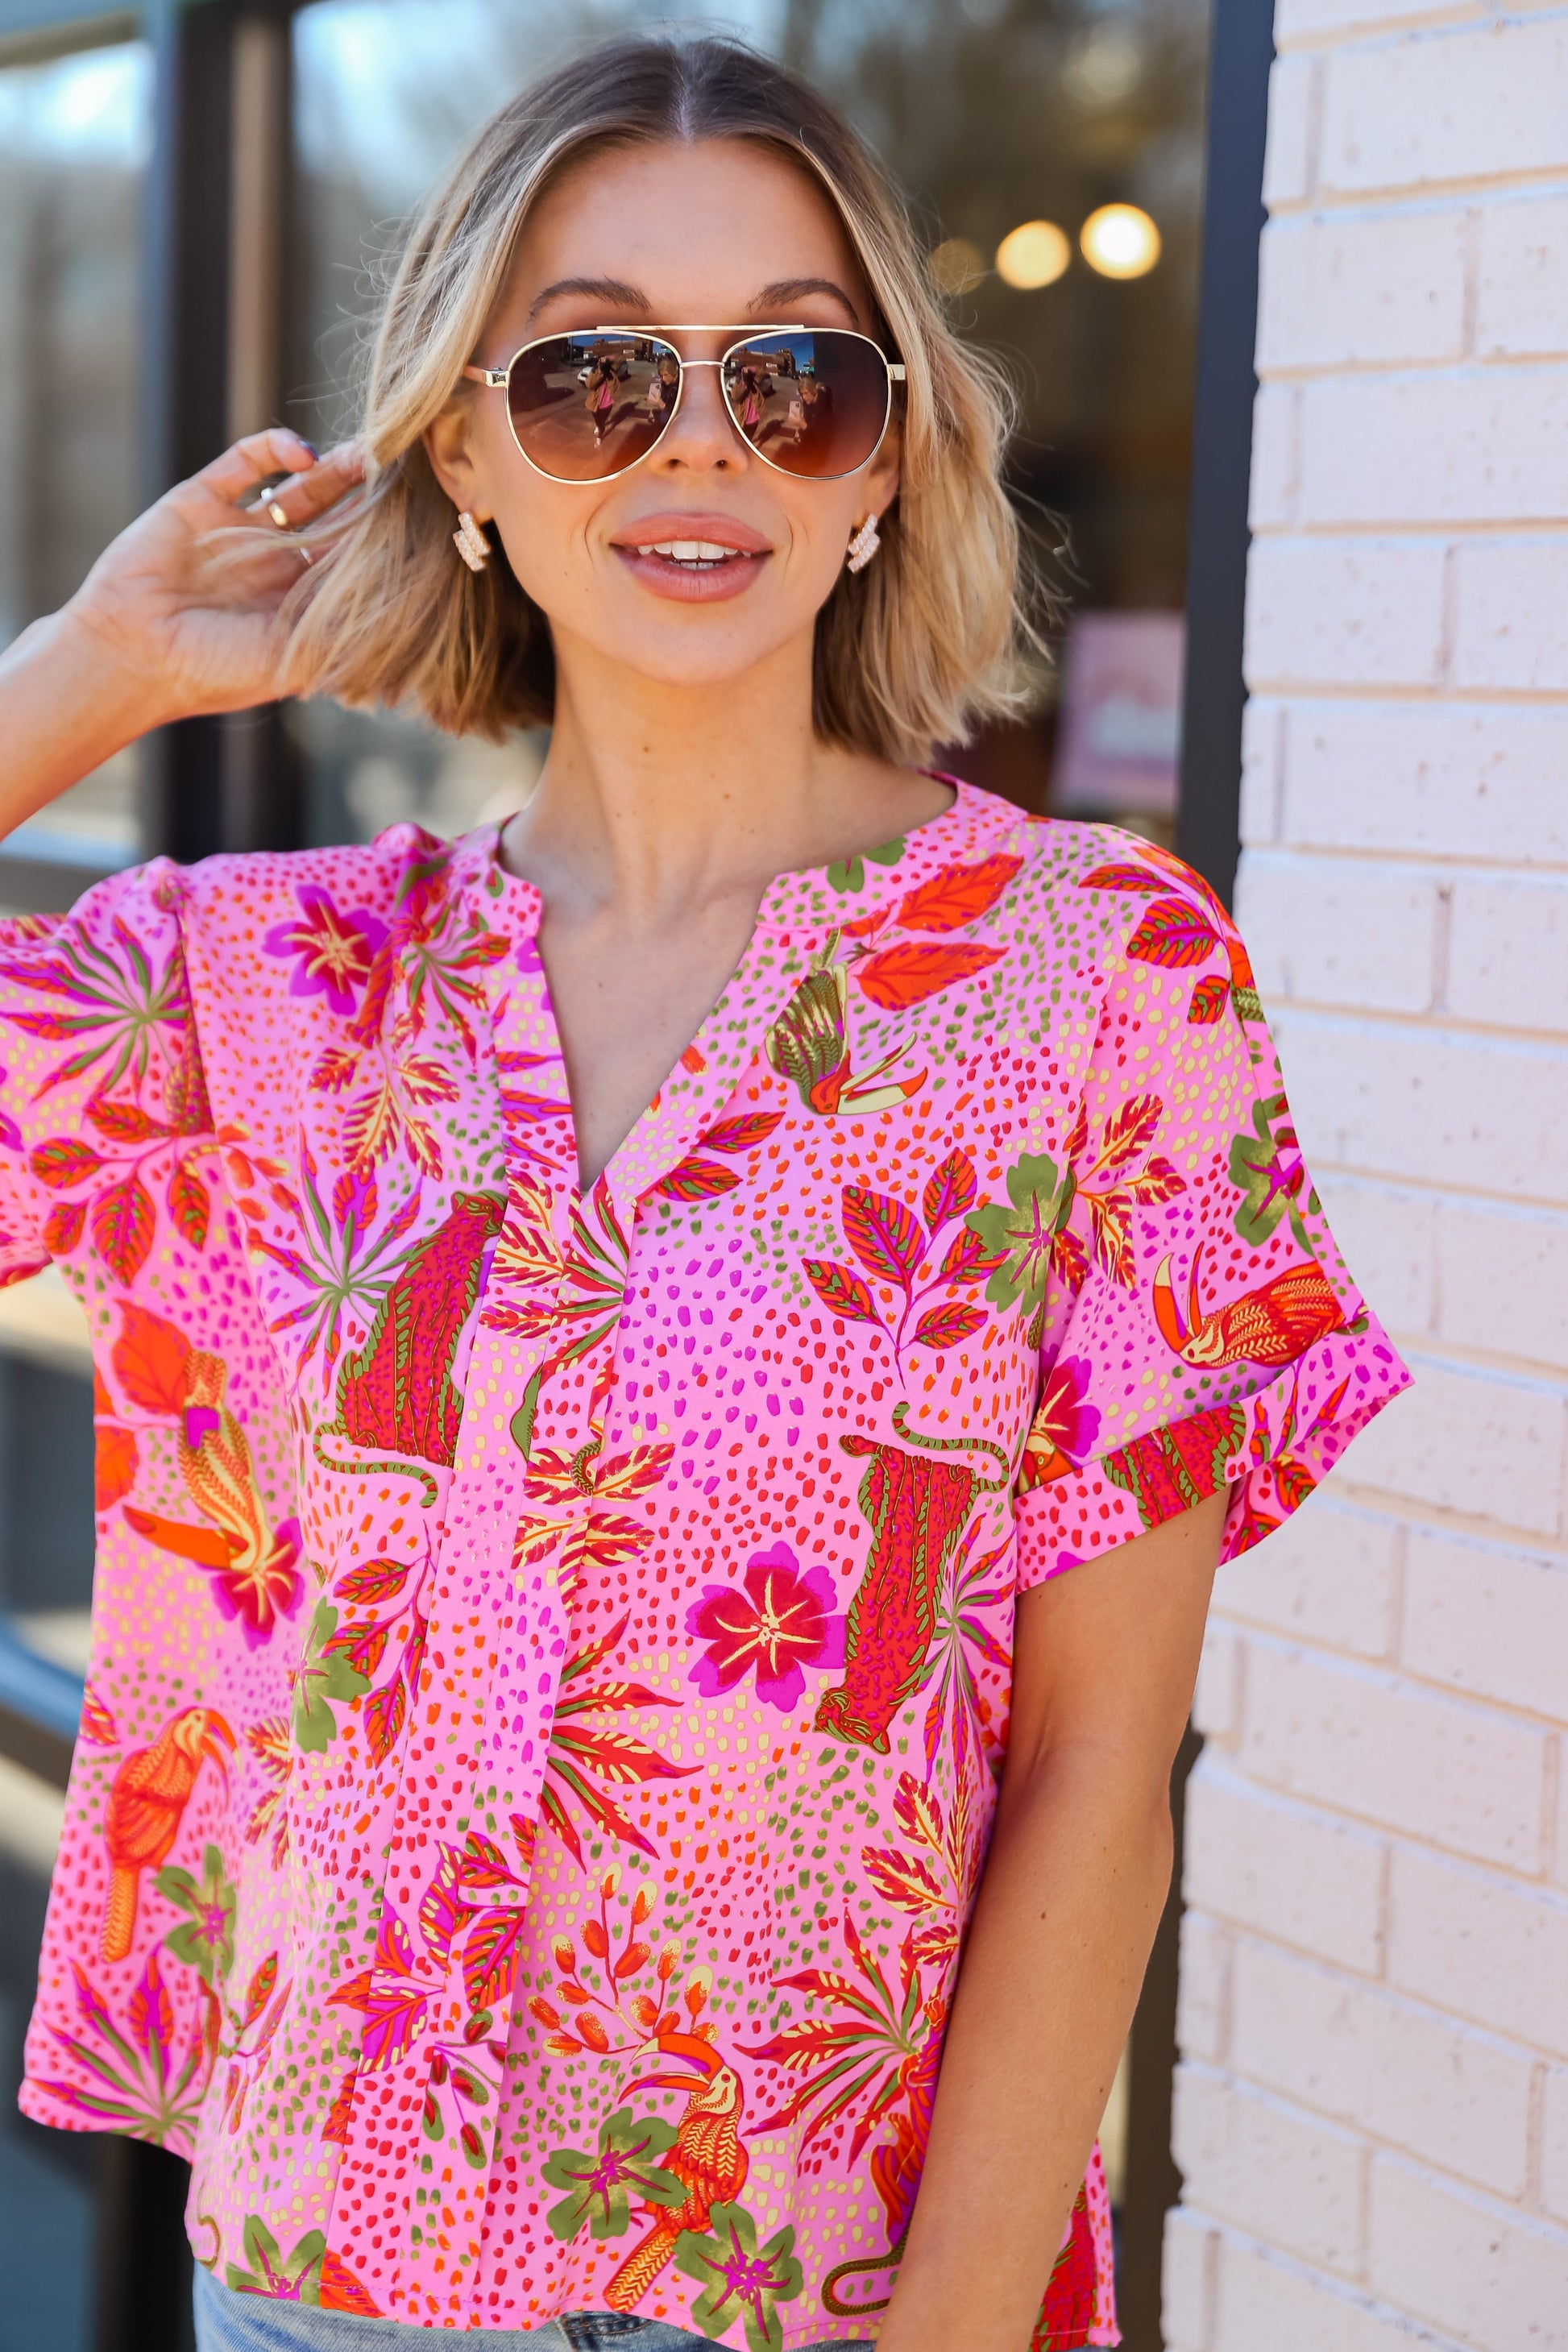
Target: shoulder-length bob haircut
{"x":911,"y":653}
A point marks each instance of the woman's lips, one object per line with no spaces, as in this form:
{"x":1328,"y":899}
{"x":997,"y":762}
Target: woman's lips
{"x":701,"y":583}
{"x":693,"y":558}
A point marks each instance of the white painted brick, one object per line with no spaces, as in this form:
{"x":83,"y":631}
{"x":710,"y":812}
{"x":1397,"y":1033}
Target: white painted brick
{"x":1522,"y":301}
{"x":1203,"y":2004}
{"x":1276,"y":414}
{"x":1340,"y":930}
{"x":1452,"y":2096}
{"x":1511,"y":629}
{"x":1216,"y":1700}
{"x":1508,"y":952}
{"x":1408,"y":1759}
{"x":1270,"y":1864}
{"x":1502,"y":1279}
{"x":1330,"y":1574}
{"x":1450,"y":782}
{"x":1283,"y":2175}
{"x":1481,"y":444}
{"x":1555,"y":2143}
{"x":1262,"y":728}
{"x":1299,"y":20}
{"x":1400,"y":1100}
{"x":1497,"y":2281}
{"x":1288,"y":162}
{"x":1187,"y":2282}
{"x":1269,"y":2304}
{"x":1449,"y":106}
{"x":1363,"y":288}
{"x":1489,"y":1619}
{"x":1486,"y":1443}
{"x":1344,"y":613}
{"x":1478,"y":1946}
{"x":1388,"y":1236}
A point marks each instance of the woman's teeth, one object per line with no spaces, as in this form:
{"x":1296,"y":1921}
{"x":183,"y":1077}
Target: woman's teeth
{"x":697,"y":554}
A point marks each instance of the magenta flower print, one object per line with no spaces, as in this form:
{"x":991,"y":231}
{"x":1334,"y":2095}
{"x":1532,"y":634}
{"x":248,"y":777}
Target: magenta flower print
{"x":335,"y":951}
{"x":781,"y":1621}
{"x":1065,"y":1426}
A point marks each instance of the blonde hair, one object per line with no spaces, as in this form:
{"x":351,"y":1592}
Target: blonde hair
{"x":909,"y":653}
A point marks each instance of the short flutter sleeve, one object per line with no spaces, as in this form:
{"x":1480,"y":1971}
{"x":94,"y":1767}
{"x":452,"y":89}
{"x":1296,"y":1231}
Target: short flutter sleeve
{"x":32,"y":1017}
{"x":1200,"y":1329}
{"x":92,"y":1003}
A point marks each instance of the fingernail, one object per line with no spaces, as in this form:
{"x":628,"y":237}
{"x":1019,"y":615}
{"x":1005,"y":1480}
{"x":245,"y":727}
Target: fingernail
{"x":308,"y":444}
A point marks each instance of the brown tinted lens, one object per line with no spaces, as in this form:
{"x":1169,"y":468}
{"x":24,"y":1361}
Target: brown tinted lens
{"x":586,"y":406}
{"x":814,"y":402}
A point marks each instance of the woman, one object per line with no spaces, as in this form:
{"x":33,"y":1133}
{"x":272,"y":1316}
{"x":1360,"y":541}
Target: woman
{"x":612,"y":1338}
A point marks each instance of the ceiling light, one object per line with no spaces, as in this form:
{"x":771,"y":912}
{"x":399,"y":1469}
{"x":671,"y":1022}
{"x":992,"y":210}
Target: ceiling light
{"x":1104,"y":66}
{"x":1034,"y":253}
{"x":957,"y":265}
{"x":1120,"y":241}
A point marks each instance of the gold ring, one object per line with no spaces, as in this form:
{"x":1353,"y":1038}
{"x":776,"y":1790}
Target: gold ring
{"x":278,"y":515}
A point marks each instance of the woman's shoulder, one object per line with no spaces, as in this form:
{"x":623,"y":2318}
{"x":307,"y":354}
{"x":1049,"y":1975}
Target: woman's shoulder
{"x":1086,"y":878}
{"x":374,"y":876}
{"x":253,"y":927}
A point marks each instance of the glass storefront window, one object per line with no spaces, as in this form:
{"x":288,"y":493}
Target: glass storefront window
{"x":1053,"y":150}
{"x":75,"y":134}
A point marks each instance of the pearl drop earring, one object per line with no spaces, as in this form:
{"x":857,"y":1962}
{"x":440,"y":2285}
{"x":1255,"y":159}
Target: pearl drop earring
{"x":864,"y":544}
{"x":471,"y":542}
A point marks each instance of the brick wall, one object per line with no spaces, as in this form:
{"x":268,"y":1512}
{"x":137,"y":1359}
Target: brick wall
{"x":1371,"y":2110}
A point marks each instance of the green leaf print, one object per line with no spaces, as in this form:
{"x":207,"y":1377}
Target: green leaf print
{"x":737,"y":2275}
{"x":1024,"y":1235}
{"x":326,"y":1674}
{"x":294,"y":2278}
{"x":599,"y":2188}
{"x":205,"y":1940}
{"x":1267,"y":1168}
{"x":848,"y":874}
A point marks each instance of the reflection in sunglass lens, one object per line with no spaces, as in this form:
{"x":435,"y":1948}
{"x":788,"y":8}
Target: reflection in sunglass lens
{"x":586,"y":406}
{"x":814,"y":400}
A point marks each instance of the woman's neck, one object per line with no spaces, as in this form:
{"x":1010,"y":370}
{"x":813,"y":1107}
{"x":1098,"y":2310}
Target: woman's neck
{"x":656,"y":798}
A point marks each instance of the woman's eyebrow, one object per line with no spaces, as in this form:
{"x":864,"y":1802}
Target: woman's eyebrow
{"x":601,"y":289}
{"x":785,"y":290}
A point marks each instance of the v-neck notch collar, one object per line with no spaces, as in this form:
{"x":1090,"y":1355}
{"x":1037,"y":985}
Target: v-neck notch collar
{"x":797,"y":909}
{"x":807,"y":898}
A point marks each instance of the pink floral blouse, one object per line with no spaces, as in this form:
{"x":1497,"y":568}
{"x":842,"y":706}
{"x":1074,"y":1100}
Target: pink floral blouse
{"x":551,"y":1655}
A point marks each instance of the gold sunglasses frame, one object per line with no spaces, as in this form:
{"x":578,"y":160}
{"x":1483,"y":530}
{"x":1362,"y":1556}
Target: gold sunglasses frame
{"x":499,"y":379}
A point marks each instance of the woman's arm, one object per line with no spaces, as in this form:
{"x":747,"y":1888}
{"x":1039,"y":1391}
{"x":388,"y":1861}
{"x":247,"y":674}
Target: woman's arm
{"x":1105,"y":1660}
{"x":176,"y":616}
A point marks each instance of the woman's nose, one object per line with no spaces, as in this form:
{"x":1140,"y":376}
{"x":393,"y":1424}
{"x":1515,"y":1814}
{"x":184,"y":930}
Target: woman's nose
{"x":702,"y":433}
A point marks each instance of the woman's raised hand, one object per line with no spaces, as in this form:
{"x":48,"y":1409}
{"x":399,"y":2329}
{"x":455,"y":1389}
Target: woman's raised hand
{"x":189,"y":594}
{"x":177,"y":617}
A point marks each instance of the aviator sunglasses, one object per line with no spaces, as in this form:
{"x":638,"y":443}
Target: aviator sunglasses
{"x":810,"y":401}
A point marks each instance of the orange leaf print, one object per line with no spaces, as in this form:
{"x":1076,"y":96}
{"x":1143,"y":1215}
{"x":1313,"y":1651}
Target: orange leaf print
{"x":122,"y":1220}
{"x":62,"y":1227}
{"x":114,"y":1469}
{"x":1173,"y":933}
{"x":1208,"y":1000}
{"x":1126,"y":876}
{"x":65,"y":1162}
{"x":895,"y":977}
{"x":696,"y":1178}
{"x":960,"y":894}
{"x":150,"y":1360}
{"x":189,"y":1205}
